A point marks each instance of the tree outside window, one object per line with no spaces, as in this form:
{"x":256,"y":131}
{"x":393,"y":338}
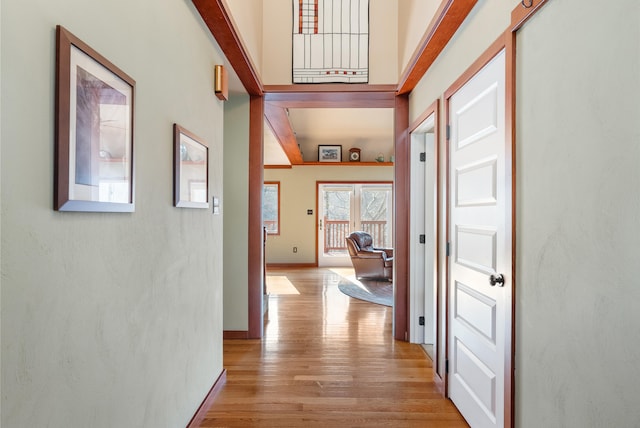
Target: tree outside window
{"x":271,"y":207}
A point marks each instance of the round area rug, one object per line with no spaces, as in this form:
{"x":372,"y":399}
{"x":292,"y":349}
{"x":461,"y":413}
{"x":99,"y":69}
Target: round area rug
{"x":379,"y":292}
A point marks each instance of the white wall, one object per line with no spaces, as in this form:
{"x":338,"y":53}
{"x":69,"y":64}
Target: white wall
{"x":297,"y":195}
{"x":108,"y":320}
{"x":247,"y":19}
{"x":414,"y":17}
{"x":578,"y":149}
{"x":236,"y":209}
{"x":277,"y":42}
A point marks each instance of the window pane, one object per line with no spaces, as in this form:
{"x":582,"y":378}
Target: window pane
{"x":270,"y":208}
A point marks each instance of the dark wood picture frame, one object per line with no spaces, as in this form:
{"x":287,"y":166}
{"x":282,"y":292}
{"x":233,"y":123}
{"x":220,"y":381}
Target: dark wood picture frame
{"x":94,"y":168}
{"x":330,"y":153}
{"x":190,"y":169}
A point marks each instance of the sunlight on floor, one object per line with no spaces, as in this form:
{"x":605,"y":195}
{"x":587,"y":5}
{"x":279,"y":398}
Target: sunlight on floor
{"x":280,"y":284}
{"x":345,"y":272}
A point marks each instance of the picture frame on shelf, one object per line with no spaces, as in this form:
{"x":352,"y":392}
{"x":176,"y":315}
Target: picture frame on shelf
{"x":191,"y":169}
{"x":330,"y":153}
{"x":94,"y":116}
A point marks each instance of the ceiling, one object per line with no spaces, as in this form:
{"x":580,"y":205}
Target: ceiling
{"x":370,"y":129}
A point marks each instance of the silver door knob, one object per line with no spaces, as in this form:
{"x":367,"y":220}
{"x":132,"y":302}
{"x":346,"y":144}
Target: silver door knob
{"x":496,"y":280}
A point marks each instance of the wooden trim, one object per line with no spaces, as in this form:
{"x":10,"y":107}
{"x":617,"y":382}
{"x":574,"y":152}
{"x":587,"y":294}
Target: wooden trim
{"x":329,"y":182}
{"x":220,"y":23}
{"x":343,"y":164}
{"x":433,"y":109}
{"x":277,"y":167}
{"x":329,"y":87}
{"x":277,"y":183}
{"x":327,"y":96}
{"x":521,"y":14}
{"x":504,"y":42}
{"x":291,"y":265}
{"x":201,"y":413}
{"x":448,"y":18}
{"x":278,"y":120}
{"x":484,"y":58}
{"x":325,"y":99}
{"x":510,"y":159}
{"x":401,"y":218}
{"x":256,"y":248}
{"x":235,"y":334}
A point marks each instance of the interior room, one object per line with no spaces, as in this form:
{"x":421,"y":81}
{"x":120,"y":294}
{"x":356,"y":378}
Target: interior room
{"x":130,"y":269}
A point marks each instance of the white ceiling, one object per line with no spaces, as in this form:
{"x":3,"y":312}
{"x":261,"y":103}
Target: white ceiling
{"x":370,"y":129}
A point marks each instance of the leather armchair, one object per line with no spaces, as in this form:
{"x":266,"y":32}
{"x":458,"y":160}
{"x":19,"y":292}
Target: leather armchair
{"x":369,"y":261}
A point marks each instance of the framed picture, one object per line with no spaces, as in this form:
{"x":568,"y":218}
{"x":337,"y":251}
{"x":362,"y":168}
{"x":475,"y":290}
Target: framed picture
{"x":190,"y":169}
{"x":94,"y":130}
{"x":330,"y":153}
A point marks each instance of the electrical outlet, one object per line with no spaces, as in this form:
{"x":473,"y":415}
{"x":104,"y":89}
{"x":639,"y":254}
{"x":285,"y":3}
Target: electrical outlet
{"x":295,"y":249}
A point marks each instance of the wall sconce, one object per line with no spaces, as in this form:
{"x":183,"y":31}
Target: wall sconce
{"x":221,"y":86}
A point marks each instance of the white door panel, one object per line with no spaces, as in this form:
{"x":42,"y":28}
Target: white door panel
{"x":477,"y":310}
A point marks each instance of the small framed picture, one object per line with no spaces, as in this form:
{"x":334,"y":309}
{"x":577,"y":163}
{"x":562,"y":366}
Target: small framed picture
{"x":190,"y":169}
{"x":94,"y":130}
{"x":332,"y":153}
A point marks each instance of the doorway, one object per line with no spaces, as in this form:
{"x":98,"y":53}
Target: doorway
{"x":480,"y":285}
{"x":423,"y":283}
{"x":346,"y":207}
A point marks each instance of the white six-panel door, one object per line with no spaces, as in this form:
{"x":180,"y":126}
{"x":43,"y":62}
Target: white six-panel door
{"x":479,"y":311}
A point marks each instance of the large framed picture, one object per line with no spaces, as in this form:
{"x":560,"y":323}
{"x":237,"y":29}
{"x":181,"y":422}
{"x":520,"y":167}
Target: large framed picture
{"x":94,"y":130}
{"x":331,"y":153}
{"x":191,"y":169}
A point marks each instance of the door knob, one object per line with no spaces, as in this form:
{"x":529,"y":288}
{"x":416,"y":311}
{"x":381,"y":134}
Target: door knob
{"x":496,"y":280}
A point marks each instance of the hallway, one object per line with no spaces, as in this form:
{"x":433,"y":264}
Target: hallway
{"x":327,"y":360}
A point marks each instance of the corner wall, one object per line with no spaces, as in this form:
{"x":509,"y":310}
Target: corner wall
{"x":108,"y":320}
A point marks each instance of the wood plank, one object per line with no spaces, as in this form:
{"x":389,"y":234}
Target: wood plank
{"x":256,"y":249}
{"x":443,"y":26}
{"x":221,"y":25}
{"x":327,"y":360}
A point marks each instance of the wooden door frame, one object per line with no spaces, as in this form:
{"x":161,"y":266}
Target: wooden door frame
{"x":216,"y":17}
{"x":338,"y":182}
{"x":433,"y":109}
{"x":504,"y":42}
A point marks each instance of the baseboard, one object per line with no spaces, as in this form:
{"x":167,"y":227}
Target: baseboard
{"x":201,"y":413}
{"x":235,"y":334}
{"x":291,"y":265}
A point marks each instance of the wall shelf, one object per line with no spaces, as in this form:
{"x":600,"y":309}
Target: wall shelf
{"x":345,"y":164}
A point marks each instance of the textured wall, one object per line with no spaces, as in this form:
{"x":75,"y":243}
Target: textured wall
{"x":577,"y":216}
{"x":108,"y":319}
{"x":236,"y":210}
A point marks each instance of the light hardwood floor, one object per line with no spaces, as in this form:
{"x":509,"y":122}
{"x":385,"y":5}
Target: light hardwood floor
{"x":327,"y":360}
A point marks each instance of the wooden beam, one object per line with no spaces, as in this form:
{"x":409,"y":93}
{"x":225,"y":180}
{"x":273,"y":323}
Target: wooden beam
{"x":330,"y":87}
{"x":278,"y":120}
{"x":220,"y":23}
{"x":443,"y":26}
{"x":255,"y":264}
{"x":401,"y":219}
{"x":522,"y":13}
{"x":331,"y":99}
